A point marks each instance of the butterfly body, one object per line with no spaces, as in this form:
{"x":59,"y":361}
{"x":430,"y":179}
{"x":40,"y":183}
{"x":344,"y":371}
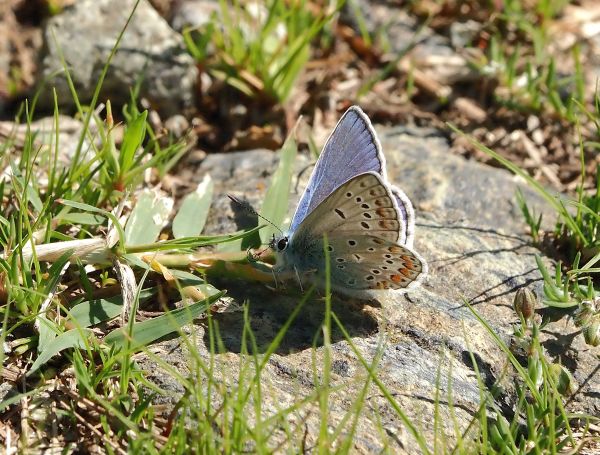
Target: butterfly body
{"x":348,"y":205}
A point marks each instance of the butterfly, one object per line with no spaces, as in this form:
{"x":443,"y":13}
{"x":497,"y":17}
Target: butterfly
{"x":368,"y":224}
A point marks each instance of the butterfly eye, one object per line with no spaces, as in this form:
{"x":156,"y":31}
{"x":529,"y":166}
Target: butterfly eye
{"x":282,"y":243}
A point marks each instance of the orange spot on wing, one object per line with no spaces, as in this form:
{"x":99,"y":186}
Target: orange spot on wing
{"x":384,"y":212}
{"x":405,"y":272}
{"x":387,"y":224}
{"x":408,"y":262}
{"x":396,"y":278}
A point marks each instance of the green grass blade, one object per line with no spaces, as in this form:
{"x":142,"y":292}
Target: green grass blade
{"x":132,"y":140}
{"x":14,"y":399}
{"x":515,"y":363}
{"x":193,"y":242}
{"x":148,"y":331}
{"x":48,"y":330}
{"x":411,"y":428}
{"x":87,"y":219}
{"x":554,"y":201}
{"x":275,"y":205}
{"x":92,"y":209}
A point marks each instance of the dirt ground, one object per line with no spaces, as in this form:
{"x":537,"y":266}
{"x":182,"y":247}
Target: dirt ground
{"x":409,"y":87}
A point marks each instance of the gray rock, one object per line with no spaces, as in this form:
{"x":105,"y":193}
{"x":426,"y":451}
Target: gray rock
{"x":69,"y":134}
{"x":149,"y":51}
{"x":471,"y":233}
{"x":462,"y":34}
{"x":193,"y":13}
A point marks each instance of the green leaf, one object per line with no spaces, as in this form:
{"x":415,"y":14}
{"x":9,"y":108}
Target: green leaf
{"x":82,"y":218}
{"x":150,"y":214}
{"x":233,"y":81}
{"x":199,"y":48}
{"x":195,"y":242}
{"x":34,"y":198}
{"x":87,"y":208}
{"x":275,"y":205}
{"x":132,"y":139}
{"x":74,"y":338}
{"x":93,"y":312}
{"x":47,"y":329}
{"x":191,"y":217}
{"x":151,"y":330}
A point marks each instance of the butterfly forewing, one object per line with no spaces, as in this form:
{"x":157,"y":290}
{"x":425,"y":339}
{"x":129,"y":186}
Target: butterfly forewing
{"x":363,"y":205}
{"x":364,"y":263}
{"x":352,"y":148}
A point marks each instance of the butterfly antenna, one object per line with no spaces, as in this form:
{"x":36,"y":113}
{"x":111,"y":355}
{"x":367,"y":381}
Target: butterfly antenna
{"x":245,"y":205}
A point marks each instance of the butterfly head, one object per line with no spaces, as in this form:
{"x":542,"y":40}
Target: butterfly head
{"x":280,"y":244}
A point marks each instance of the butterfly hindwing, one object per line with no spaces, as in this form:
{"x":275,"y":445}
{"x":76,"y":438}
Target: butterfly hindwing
{"x":408,"y":214}
{"x":363,"y":263}
{"x":352,"y":149}
{"x":363,"y":224}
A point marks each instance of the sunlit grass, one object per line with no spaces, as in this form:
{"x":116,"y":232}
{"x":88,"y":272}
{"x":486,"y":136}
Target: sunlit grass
{"x":225,"y":407}
{"x":527,"y":74}
{"x":72,"y":279}
{"x":259,"y":48}
{"x":576,"y":235}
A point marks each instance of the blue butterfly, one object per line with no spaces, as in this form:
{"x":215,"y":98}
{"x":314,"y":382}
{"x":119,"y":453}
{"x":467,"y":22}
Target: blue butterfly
{"x":369,"y":224}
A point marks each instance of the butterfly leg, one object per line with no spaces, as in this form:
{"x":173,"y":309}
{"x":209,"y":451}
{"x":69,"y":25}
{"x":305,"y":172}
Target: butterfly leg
{"x":299,"y":280}
{"x":275,"y":278}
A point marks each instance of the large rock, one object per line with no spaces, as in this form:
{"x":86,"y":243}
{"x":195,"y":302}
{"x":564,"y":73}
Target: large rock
{"x":470,"y":231}
{"x":69,"y":133}
{"x":150,"y":51}
{"x":193,"y":13}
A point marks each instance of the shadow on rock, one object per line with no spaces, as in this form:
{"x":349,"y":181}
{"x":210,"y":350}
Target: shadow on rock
{"x":269,"y":310}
